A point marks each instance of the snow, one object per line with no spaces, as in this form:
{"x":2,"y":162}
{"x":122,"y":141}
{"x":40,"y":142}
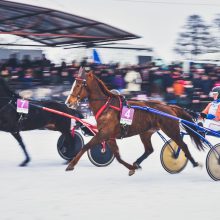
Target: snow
{"x":44,"y":191}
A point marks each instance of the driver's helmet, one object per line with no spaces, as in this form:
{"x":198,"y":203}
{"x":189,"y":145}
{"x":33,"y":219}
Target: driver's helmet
{"x":215,"y":90}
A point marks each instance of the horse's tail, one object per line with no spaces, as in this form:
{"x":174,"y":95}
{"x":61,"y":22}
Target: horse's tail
{"x":181,"y":113}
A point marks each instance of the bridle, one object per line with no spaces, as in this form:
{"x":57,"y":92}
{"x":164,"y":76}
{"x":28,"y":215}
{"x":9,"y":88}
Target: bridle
{"x":83,"y":85}
{"x":106,"y":104}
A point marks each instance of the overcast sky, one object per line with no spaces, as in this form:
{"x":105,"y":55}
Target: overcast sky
{"x":156,"y":21}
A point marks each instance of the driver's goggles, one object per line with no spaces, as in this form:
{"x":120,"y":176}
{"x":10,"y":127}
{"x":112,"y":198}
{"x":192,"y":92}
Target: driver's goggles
{"x":212,"y":94}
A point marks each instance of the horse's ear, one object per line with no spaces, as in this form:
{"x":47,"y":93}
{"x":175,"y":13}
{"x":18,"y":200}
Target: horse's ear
{"x":82,"y":73}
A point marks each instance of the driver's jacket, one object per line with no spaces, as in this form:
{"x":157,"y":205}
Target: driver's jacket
{"x":214,"y":109}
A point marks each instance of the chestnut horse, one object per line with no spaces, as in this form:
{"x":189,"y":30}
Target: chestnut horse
{"x":107,"y":106}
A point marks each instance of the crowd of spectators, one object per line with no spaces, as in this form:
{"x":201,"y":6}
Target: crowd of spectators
{"x":168,"y":83}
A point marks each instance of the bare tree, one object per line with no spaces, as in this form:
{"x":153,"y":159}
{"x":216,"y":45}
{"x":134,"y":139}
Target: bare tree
{"x":195,"y":39}
{"x":216,"y":29}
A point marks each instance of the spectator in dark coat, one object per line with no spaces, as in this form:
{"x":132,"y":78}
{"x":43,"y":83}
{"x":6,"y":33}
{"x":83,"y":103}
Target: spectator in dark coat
{"x":206,"y":84}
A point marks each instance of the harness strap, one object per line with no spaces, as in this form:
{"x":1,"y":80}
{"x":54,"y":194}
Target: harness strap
{"x":100,"y":111}
{"x":116,"y":108}
{"x":120,"y":105}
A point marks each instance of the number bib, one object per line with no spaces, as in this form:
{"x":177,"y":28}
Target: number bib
{"x":127,"y":116}
{"x":22,"y":106}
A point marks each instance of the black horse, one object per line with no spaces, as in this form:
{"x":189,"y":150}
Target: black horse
{"x":37,"y":118}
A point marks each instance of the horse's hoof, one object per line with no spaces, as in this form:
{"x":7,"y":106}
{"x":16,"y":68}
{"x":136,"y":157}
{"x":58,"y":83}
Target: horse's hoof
{"x":131,"y":172}
{"x":137,"y":166}
{"x":24,"y":163}
{"x":69,"y":168}
{"x":198,"y":164}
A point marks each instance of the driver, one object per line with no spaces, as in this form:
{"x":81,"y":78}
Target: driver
{"x":212,"y":110}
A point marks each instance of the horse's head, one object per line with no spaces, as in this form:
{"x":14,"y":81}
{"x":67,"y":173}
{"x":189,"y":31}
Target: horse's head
{"x":79,"y":89}
{"x":5,"y":91}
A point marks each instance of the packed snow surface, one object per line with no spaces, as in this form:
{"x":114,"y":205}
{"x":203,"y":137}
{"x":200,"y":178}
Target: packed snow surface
{"x":44,"y":191}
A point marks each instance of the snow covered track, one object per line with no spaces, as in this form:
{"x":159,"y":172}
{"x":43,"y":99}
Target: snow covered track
{"x":44,"y":191}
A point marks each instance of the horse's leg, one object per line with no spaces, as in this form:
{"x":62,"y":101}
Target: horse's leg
{"x":174,"y":133}
{"x":68,"y":137}
{"x":97,"y":139}
{"x":115,"y":150}
{"x":148,"y":148}
{"x":17,"y":136}
{"x":70,"y":140}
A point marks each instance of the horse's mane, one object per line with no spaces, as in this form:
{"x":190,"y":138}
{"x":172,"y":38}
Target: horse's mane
{"x":104,"y":88}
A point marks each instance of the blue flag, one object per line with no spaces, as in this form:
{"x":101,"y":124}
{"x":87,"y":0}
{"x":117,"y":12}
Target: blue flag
{"x":96,"y":57}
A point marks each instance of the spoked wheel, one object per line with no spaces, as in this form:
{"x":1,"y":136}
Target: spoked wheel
{"x":213,"y":162}
{"x":172,"y":160}
{"x":100,"y":157}
{"x":66,"y":150}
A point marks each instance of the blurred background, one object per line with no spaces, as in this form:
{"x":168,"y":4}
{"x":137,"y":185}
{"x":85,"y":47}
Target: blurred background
{"x":163,"y":50}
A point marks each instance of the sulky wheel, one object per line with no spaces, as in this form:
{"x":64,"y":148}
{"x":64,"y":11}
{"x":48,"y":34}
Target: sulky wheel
{"x":171,"y":161}
{"x":66,"y":150}
{"x":213,"y":162}
{"x":100,"y":157}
